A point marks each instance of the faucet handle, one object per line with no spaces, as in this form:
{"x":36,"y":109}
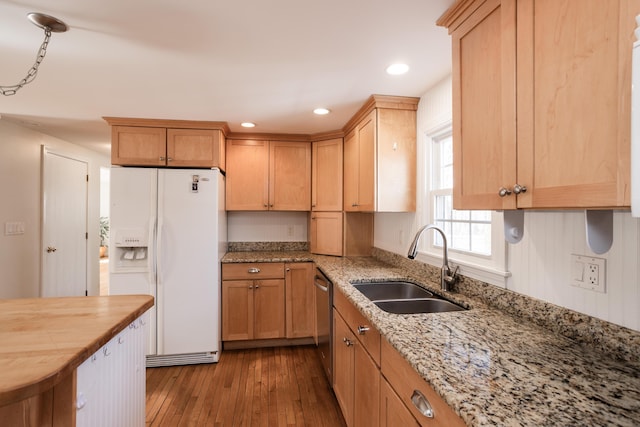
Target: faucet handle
{"x":450,"y":278}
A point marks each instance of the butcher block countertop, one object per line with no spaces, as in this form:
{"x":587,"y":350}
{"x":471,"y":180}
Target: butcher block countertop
{"x":46,"y":339}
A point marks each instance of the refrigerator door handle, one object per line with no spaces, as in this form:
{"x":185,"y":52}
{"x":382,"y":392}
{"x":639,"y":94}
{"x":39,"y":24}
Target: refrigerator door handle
{"x":159,"y":251}
{"x":151,"y":258}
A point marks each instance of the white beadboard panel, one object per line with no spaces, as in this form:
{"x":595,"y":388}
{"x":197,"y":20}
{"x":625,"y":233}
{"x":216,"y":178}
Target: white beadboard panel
{"x":541,"y":266}
{"x":267,"y":226}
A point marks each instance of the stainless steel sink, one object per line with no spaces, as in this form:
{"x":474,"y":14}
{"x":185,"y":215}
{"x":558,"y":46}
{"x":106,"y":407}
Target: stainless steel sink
{"x":386,"y":290}
{"x":427,"y":305}
{"x":402,"y":297}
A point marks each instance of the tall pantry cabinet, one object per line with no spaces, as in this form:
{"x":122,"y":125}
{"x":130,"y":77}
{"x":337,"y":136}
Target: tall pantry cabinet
{"x":541,"y":102}
{"x":325,"y":228}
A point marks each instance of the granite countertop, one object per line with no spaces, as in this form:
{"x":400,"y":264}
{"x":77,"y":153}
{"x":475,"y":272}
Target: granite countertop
{"x":490,"y":367}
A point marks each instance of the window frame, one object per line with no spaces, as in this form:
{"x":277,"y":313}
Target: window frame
{"x":487,"y":268}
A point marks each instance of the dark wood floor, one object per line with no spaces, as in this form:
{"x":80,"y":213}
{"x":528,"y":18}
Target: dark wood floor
{"x":283,"y":386}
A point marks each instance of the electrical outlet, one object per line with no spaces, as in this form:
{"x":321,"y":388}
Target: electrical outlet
{"x":589,"y":272}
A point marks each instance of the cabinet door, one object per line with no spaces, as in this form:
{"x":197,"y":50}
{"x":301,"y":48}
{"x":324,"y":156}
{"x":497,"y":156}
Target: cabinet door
{"x":247,"y":175}
{"x":326,"y":176}
{"x":237,"y":310}
{"x":351,"y":172}
{"x":366,"y":395}
{"x":392,"y":411}
{"x":574,"y":66}
{"x":325,"y":233}
{"x":138,"y":146}
{"x":194,"y":148}
{"x":300,"y":301}
{"x":484,"y":107}
{"x":268,"y":305}
{"x":290,"y":176}
{"x":396,"y":160}
{"x":343,"y":366}
{"x":366,"y":132}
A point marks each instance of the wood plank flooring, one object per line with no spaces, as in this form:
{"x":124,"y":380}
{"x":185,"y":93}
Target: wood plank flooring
{"x":282,"y":386}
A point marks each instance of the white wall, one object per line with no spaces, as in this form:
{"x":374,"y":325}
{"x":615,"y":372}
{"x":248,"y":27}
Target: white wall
{"x":267,"y":226}
{"x":541,"y":263}
{"x":20,"y":164}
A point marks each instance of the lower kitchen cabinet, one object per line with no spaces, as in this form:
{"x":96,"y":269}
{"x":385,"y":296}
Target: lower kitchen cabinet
{"x":253,"y":301}
{"x":373,"y":383}
{"x":300,"y":299}
{"x":392,"y":411}
{"x":410,"y":387}
{"x":356,"y":373}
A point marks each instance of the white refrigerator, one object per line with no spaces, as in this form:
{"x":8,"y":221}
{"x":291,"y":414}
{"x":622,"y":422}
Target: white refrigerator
{"x":167,"y":237}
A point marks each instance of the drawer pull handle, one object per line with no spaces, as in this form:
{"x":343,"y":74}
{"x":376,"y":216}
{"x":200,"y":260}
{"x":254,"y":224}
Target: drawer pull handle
{"x":362,"y":329}
{"x":423,"y":405}
{"x":254,"y":270}
{"x":347,"y":342}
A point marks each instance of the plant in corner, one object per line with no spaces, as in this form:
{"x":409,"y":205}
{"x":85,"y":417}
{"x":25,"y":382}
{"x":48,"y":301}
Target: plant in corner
{"x":104,"y":235}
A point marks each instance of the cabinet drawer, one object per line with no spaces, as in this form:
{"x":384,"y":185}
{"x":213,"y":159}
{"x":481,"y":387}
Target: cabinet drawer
{"x":250,"y":271}
{"x":406,"y":381}
{"x":370,"y":338}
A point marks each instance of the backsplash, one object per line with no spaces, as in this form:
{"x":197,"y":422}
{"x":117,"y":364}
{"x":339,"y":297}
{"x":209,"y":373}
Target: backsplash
{"x":267,"y":246}
{"x":616,"y":341}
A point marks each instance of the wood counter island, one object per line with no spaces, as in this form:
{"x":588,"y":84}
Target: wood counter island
{"x":43,"y":341}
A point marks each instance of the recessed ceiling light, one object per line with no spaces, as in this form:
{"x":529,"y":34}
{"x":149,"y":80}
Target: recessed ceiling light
{"x":321,"y":111}
{"x":248,"y":125}
{"x":397,"y":69}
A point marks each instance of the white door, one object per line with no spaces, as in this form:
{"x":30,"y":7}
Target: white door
{"x":64,"y":225}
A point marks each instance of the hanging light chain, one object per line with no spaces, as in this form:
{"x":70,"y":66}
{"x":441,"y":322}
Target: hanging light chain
{"x":31,"y":74}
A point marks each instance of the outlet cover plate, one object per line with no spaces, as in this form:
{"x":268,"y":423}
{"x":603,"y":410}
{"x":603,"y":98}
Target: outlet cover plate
{"x":588,"y":272}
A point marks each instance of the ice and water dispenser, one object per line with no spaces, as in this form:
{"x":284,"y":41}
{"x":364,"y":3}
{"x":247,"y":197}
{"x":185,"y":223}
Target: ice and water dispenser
{"x":131,"y":250}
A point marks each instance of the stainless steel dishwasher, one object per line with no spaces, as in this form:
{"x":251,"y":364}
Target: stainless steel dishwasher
{"x":324,"y":328}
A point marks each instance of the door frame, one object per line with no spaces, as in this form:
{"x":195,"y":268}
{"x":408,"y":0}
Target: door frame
{"x":44,"y":151}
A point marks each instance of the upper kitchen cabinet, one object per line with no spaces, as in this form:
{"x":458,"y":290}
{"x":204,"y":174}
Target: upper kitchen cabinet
{"x":268,"y":175}
{"x":380,"y":156}
{"x":326,"y":175}
{"x":171,"y":143}
{"x":550,"y":126}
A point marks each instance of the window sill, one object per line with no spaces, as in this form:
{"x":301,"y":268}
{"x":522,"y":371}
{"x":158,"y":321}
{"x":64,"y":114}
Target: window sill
{"x":492,"y":275}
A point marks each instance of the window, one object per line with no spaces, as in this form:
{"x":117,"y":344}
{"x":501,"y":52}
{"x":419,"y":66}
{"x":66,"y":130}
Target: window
{"x":475,"y":238}
{"x":467,"y":231}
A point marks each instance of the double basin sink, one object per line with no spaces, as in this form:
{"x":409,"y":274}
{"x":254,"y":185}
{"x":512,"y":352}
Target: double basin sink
{"x":402,"y":297}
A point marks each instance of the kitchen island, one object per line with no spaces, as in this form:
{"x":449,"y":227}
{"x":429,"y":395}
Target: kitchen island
{"x":491,"y":367}
{"x":44,"y":341}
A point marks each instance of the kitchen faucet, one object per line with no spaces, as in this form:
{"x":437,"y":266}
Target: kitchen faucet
{"x":447,"y":279}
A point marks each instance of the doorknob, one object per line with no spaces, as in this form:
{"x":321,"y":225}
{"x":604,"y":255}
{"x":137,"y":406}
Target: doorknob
{"x":51,"y":249}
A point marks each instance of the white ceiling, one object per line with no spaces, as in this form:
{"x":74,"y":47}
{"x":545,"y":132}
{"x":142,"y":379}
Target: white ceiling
{"x":270,"y":62}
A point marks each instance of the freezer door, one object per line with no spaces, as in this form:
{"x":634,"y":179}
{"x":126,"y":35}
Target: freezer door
{"x":187,"y":261}
{"x":133,"y":204}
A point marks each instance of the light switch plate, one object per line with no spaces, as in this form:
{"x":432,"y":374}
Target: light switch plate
{"x":588,"y":272}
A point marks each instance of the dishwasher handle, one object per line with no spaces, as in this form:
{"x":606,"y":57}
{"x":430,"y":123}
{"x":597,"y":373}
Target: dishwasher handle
{"x":319,"y":281}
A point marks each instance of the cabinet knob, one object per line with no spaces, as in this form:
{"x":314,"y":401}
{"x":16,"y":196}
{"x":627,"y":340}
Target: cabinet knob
{"x":257,"y":286}
{"x":362,"y":329}
{"x":169,"y":159}
{"x":354,"y":205}
{"x":253,"y":270}
{"x":517,"y":189}
{"x":504,"y":192}
{"x":347,"y":342}
{"x":162,"y":158}
{"x":250,"y":286}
